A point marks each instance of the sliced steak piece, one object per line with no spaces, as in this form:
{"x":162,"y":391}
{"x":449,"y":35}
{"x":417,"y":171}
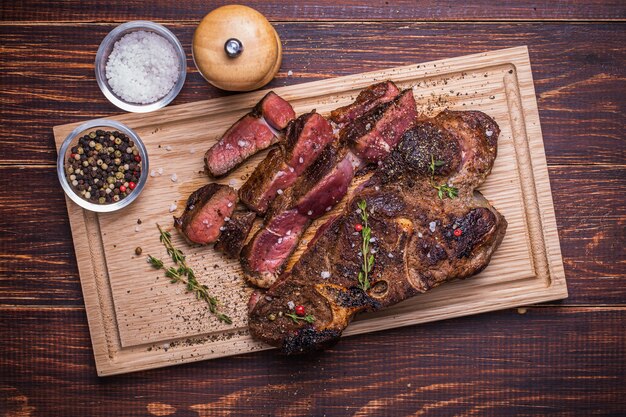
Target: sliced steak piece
{"x":366,"y":100}
{"x":319,"y":189}
{"x":325,"y":185}
{"x":205,"y":211}
{"x":270,"y":176}
{"x":276,"y":111}
{"x":374,"y":135}
{"x":307,"y":136}
{"x":419,"y":240}
{"x":236,"y":230}
{"x":252,"y":133}
{"x":263,"y":257}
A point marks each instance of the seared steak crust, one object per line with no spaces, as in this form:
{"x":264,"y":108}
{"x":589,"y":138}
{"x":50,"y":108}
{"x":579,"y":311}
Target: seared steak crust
{"x":420,"y":241}
{"x":366,"y":100}
{"x":235,"y":232}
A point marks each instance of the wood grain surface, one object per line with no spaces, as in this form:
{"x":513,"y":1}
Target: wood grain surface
{"x":562,"y":359}
{"x":130,"y":320}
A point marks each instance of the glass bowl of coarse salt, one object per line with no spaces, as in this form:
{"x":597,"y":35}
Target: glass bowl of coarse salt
{"x":140,"y":66}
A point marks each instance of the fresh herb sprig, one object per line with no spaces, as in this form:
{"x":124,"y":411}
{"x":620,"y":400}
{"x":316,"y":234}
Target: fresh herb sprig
{"x":368,"y":258}
{"x":308,"y":318}
{"x":183,"y":274}
{"x":442,"y":189}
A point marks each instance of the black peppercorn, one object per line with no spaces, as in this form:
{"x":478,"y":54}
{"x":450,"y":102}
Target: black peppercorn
{"x":99,"y":159}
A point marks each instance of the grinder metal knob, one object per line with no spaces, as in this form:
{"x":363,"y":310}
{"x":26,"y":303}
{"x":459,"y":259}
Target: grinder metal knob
{"x":233,"y":47}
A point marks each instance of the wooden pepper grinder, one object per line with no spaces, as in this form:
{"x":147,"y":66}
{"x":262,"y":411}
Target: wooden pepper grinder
{"x":235,"y":48}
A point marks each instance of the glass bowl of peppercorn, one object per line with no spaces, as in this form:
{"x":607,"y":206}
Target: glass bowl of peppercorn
{"x":102,"y":165}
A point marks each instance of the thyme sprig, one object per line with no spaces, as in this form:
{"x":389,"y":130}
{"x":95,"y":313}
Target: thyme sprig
{"x":442,"y":189}
{"x":368,"y":258}
{"x":308,"y":318}
{"x":183,"y":274}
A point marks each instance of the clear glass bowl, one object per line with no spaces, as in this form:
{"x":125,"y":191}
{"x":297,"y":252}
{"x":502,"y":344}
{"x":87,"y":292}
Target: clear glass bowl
{"x":105,"y":49}
{"x":72,"y":140}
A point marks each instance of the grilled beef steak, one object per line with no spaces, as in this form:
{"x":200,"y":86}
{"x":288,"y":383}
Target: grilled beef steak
{"x":419,"y":240}
{"x":306,"y":138}
{"x":205,"y":213}
{"x":252,"y":133}
{"x":366,"y":100}
{"x":236,"y":229}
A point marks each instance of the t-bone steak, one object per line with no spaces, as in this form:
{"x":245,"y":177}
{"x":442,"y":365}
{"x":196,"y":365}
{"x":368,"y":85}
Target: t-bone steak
{"x":421,"y":238}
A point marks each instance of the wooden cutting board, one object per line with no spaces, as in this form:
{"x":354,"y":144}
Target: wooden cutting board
{"x":139,"y":320}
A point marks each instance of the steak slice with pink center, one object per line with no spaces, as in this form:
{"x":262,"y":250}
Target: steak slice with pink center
{"x":374,"y":135}
{"x":319,"y":189}
{"x":254,"y":132}
{"x":263,"y":258}
{"x":205,"y":213}
{"x":307,"y":136}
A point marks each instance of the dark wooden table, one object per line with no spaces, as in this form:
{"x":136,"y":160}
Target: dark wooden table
{"x":563,"y":358}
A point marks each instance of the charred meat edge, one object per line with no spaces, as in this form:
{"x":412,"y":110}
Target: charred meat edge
{"x":367,"y":99}
{"x":235,"y":232}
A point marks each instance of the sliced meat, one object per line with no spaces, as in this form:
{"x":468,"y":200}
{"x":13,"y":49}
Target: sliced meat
{"x":419,"y":240}
{"x":321,"y":187}
{"x":270,"y":176}
{"x":276,"y":111}
{"x":374,"y":135}
{"x":263,"y":258}
{"x":246,"y":137}
{"x":306,"y":138}
{"x":205,"y":213}
{"x":236,"y":230}
{"x":366,"y":100}
{"x":315,"y":198}
{"x":252,"y":133}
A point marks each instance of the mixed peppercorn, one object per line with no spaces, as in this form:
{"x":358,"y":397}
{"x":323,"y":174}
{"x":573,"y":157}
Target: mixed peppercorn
{"x":104,"y":167}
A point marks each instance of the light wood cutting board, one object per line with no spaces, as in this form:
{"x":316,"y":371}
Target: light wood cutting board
{"x":139,"y":320}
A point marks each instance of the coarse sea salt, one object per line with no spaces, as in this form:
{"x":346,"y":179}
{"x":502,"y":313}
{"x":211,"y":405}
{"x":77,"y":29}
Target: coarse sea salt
{"x":142,"y":67}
